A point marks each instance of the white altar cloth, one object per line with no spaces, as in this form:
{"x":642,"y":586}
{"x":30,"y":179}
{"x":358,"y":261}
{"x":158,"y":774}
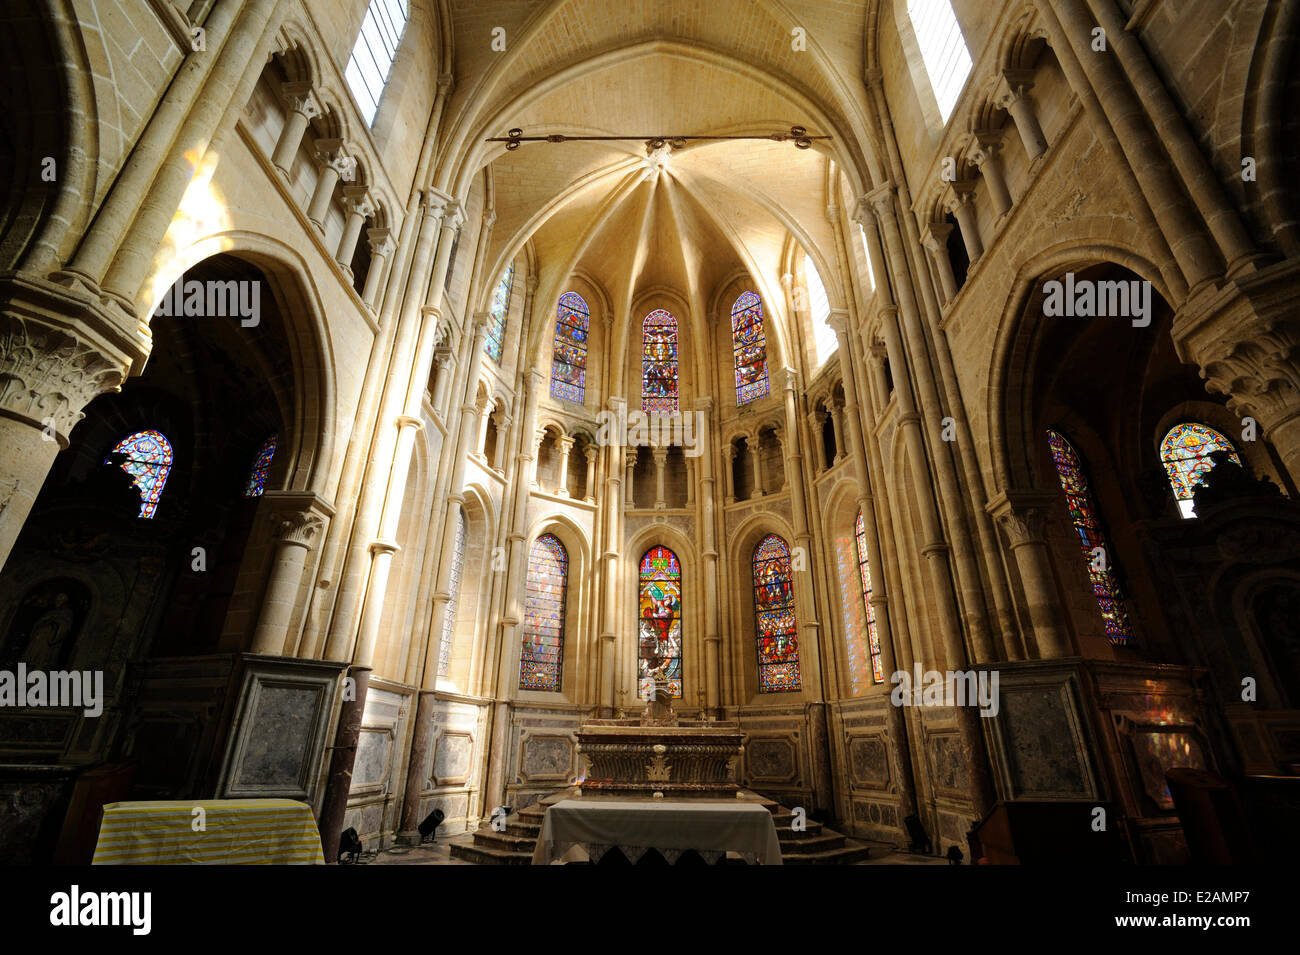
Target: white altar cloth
{"x":710,"y":828}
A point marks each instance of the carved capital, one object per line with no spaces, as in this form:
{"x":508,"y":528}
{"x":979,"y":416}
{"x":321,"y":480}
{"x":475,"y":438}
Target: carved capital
{"x":381,"y":242}
{"x":296,"y":516}
{"x":1022,"y":514}
{"x":49,"y":372}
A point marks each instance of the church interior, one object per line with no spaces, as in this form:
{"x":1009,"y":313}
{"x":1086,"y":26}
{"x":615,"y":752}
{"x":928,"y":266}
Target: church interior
{"x":426,"y":411}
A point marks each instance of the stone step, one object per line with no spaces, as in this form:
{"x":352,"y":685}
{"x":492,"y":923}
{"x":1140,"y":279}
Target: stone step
{"x":531,"y":829}
{"x":484,"y":855}
{"x":506,"y":841}
{"x":813,"y":830}
{"x":846,"y":855}
{"x":819,"y":843}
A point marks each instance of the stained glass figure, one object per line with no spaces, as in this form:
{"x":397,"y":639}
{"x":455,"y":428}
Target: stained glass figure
{"x":659,"y":363}
{"x":750,"y":348}
{"x":569,"y":362}
{"x":256,"y":482}
{"x":1096,"y":553}
{"x":543,"y":647}
{"x":1186,"y":452}
{"x":777,"y":633}
{"x":148,"y":461}
{"x":453,"y":598}
{"x":660,"y":624}
{"x":864,"y":571}
{"x":497,"y":312}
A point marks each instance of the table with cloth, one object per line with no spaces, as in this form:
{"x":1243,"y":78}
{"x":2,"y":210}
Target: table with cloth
{"x":234,"y":832}
{"x":711,"y":828}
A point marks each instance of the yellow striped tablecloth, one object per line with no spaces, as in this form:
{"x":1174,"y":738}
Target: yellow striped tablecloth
{"x":226,"y":832}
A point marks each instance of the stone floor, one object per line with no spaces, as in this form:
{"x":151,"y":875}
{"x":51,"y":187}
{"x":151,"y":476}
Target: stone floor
{"x":439,"y":853}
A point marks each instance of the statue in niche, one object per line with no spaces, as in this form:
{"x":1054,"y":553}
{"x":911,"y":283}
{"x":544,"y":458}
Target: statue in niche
{"x":44,"y":626}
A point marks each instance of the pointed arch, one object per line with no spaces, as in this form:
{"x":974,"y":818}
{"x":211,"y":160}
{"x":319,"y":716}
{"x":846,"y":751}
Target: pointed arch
{"x":659,"y":363}
{"x":569,"y":354}
{"x":749,"y":348}
{"x":1185,"y":452}
{"x":542,"y":655}
{"x":148,"y":461}
{"x":1096,"y":551}
{"x":774,"y":617}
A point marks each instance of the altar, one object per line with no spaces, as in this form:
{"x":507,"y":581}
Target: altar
{"x":710,"y":827}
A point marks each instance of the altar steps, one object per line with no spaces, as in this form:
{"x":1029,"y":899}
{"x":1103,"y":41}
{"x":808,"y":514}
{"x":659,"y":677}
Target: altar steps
{"x":813,"y":845}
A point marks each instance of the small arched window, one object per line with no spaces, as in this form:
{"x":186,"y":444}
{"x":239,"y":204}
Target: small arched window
{"x":864,"y":576}
{"x":1186,"y":452}
{"x":749,"y":345}
{"x":1096,"y":552}
{"x":256,"y":482}
{"x":660,"y":627}
{"x":500,"y":307}
{"x":543,"y":648}
{"x":148,"y":461}
{"x":569,"y":358}
{"x":774,"y":620}
{"x":453,"y":597}
{"x":372,"y":55}
{"x":943,"y":50}
{"x":659,"y":363}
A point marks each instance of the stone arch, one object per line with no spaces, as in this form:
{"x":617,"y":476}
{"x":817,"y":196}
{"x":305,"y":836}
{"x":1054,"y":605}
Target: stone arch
{"x":692,"y":615}
{"x":580,"y":651}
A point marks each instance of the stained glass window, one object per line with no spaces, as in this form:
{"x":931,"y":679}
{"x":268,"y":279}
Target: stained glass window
{"x":256,"y":482}
{"x":543,"y":650}
{"x":855,"y":623}
{"x":943,"y":50}
{"x":372,"y":55}
{"x":453,"y":589}
{"x":497,"y":311}
{"x":569,"y":364}
{"x":778,"y":642}
{"x":148,"y":461}
{"x":660,"y":633}
{"x":750,"y":346}
{"x":1186,"y":452}
{"x":864,"y":572}
{"x":1083,"y":514}
{"x":659,"y":363}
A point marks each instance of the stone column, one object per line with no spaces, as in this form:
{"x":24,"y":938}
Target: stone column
{"x":690,"y":481}
{"x":565,"y":444}
{"x":961,"y":203}
{"x":1015,"y":100}
{"x":446,"y":361}
{"x":809,"y":626}
{"x":381,"y":250}
{"x":985,"y":155}
{"x":499,"y":460}
{"x":296,"y":518}
{"x":630,"y":463}
{"x":484,"y":413}
{"x":360,"y":208}
{"x":712,"y":634}
{"x":590,"y":453}
{"x":837,"y":412}
{"x":1021,"y":515}
{"x":54,"y":361}
{"x":334,"y":163}
{"x":936,"y":242}
{"x":729,"y":472}
{"x":302,"y":109}
{"x":661,"y":458}
{"x":610,"y":582}
{"x":756,"y":462}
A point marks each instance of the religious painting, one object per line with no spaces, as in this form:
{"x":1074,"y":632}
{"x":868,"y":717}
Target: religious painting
{"x":660,"y":622}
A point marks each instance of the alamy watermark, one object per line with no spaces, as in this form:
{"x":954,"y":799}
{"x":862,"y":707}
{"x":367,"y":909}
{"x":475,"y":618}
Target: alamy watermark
{"x":639,"y":429}
{"x":946,"y":688}
{"x":76,"y":688}
{"x":1088,"y":298}
{"x":234,"y":298}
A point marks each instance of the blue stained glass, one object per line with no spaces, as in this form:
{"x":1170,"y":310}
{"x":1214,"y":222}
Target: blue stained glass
{"x":256,"y":482}
{"x":543,"y":639}
{"x":148,"y":461}
{"x":569,"y":361}
{"x":500,"y":307}
{"x":660,"y":627}
{"x":864,"y":568}
{"x":1186,"y":452}
{"x":1083,"y":514}
{"x":775,"y":627}
{"x":659,"y":363}
{"x":750,"y":347}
